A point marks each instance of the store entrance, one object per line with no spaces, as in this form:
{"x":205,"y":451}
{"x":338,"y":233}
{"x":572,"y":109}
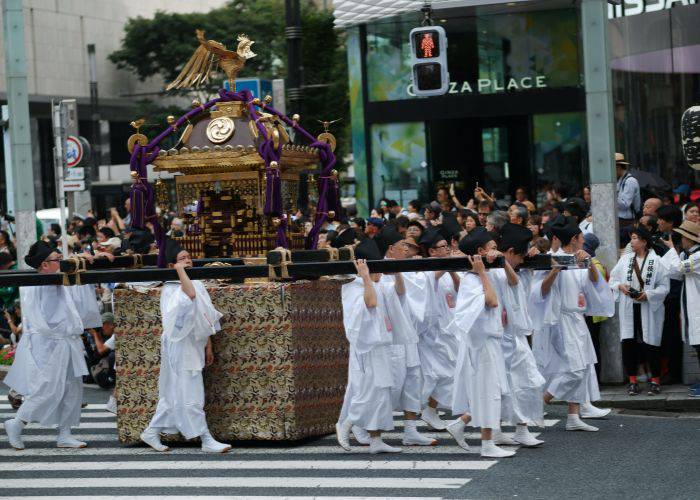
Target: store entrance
{"x":493,"y":152}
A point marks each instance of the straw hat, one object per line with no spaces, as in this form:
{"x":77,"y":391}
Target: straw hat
{"x":690,"y":230}
{"x":620,"y":158}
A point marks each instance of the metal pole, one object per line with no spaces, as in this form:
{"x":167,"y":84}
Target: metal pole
{"x":295,"y":68}
{"x":20,"y":139}
{"x":601,"y":164}
{"x":59,"y":159}
{"x":94,"y":115}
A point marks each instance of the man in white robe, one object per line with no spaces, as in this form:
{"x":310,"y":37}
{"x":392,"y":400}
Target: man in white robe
{"x":559,"y":300}
{"x":687,"y":267}
{"x":367,"y":403}
{"x":404,"y":296}
{"x":438,"y":346}
{"x":49,"y":370}
{"x":524,"y":406}
{"x":640,"y":284}
{"x":480,"y":380}
{"x":189,"y":320}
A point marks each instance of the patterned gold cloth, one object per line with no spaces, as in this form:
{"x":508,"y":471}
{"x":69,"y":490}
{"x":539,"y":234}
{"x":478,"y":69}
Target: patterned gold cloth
{"x":280,"y":366}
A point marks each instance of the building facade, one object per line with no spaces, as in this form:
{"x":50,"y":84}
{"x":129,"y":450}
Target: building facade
{"x":514,"y":114}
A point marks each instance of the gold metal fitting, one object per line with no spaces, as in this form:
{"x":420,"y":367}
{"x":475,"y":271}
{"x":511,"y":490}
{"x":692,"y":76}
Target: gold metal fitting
{"x":268,"y":99}
{"x":257,"y":101}
{"x":196,"y":103}
{"x":170,"y":119}
{"x":334,"y":173}
{"x":276,"y":221}
{"x":274,"y":164}
{"x":331,"y":214}
{"x":296,"y":117}
{"x":134,"y":176}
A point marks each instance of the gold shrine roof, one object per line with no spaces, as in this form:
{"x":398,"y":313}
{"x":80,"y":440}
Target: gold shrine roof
{"x":225,"y":139}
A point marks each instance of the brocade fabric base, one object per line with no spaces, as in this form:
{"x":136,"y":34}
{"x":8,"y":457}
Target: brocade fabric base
{"x":280,"y":369}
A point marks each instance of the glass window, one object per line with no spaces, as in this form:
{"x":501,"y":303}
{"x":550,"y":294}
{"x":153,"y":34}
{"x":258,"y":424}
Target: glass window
{"x":487,"y":53}
{"x":399,"y":167}
{"x":558,"y":142}
{"x":655,"y":62}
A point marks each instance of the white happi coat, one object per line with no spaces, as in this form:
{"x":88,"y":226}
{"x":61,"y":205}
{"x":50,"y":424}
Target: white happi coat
{"x":50,"y":358}
{"x":687,"y":267}
{"x":570,"y":356}
{"x":525,"y":382}
{"x":367,"y":402}
{"x":187,"y":326}
{"x":656,"y":287}
{"x":405,"y":362}
{"x":480,"y":380}
{"x":85,"y":301}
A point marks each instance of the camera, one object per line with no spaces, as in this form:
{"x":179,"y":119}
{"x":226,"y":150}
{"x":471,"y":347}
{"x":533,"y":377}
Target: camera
{"x":634,"y":293}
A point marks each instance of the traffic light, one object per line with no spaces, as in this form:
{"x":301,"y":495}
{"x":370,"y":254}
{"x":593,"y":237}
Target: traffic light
{"x":429,"y":61}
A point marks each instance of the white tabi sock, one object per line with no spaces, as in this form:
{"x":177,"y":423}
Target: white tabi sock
{"x":574,"y":423}
{"x":376,"y":445}
{"x":489,"y":449}
{"x":411,"y":436}
{"x":523,"y":436}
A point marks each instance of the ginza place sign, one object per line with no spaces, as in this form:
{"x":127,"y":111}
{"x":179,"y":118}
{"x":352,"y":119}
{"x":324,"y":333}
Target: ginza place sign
{"x":489,"y":86}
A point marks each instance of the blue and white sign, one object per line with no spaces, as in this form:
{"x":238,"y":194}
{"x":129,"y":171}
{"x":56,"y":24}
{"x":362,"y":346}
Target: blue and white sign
{"x":74,"y":151}
{"x":258,"y":87}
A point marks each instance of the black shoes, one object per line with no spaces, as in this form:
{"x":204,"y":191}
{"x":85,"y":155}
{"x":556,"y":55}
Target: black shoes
{"x":654,"y":389}
{"x":633,"y":390}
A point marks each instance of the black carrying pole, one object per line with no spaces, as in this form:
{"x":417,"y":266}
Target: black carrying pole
{"x":136,"y":261}
{"x":304,"y":270}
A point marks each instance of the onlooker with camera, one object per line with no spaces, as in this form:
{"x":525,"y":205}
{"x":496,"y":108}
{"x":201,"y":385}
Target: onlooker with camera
{"x":640,"y":283}
{"x":103,"y":370}
{"x":686,"y":266}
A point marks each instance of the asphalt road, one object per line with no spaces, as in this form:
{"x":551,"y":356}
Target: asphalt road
{"x":632,"y":456}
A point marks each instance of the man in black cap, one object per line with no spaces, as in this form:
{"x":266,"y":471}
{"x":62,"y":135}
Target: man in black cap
{"x":189,"y":320}
{"x":367,"y":404}
{"x":524,"y":380}
{"x":404,"y":295}
{"x":437,"y":346}
{"x":559,"y":302}
{"x":479,"y":380}
{"x":50,"y":375}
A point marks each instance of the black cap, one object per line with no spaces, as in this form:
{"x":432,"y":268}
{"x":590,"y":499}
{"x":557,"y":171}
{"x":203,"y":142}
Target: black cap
{"x":450,"y":227}
{"x":140,"y":241}
{"x":172,"y":248}
{"x":478,"y":238}
{"x":516,"y":237}
{"x":346,"y":237}
{"x":576,"y":207}
{"x":391,"y":236}
{"x":38,"y":253}
{"x":431,"y":237}
{"x":565,"y":228}
{"x":367,"y":249}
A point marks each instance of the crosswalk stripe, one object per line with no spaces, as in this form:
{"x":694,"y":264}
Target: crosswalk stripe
{"x":87,"y":415}
{"x":251,"y":464}
{"x":217,"y":497}
{"x":239,"y":482}
{"x":50,"y":438}
{"x":90,"y":406}
{"x":83,"y":425}
{"x":433,"y":434}
{"x":194,"y":450}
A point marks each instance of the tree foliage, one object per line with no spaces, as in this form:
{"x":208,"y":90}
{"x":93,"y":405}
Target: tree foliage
{"x":160,"y":46}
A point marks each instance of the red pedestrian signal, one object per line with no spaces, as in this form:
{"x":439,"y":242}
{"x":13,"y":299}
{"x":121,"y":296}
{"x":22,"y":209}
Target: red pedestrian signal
{"x":429,"y":61}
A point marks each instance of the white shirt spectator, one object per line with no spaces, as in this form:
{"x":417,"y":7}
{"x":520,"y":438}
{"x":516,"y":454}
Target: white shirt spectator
{"x":629,"y":200}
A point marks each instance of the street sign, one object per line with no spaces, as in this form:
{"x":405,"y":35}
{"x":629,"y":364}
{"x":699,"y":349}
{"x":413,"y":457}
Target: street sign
{"x":74,"y":185}
{"x":74,"y":151}
{"x":75,"y":174}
